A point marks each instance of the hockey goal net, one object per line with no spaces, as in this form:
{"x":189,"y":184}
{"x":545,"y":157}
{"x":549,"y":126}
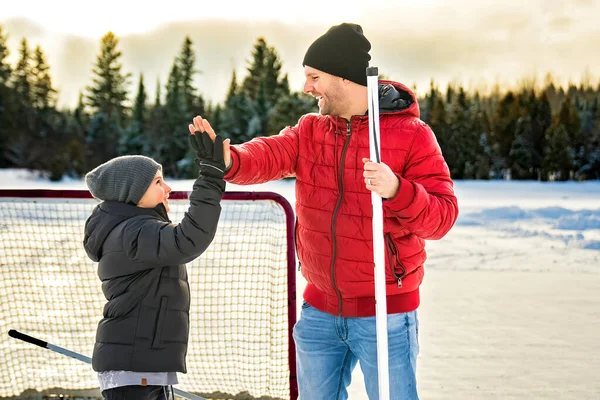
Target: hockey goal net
{"x":243,"y":297}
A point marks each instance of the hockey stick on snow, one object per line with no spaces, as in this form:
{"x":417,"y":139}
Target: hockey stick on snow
{"x":30,"y":339}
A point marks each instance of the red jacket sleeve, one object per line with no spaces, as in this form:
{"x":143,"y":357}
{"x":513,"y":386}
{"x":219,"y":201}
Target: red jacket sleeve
{"x":264,"y":159}
{"x":425,"y":203}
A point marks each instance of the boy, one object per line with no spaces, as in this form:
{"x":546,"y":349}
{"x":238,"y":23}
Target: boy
{"x":141,"y":341}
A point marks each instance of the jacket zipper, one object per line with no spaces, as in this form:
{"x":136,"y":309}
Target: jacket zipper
{"x":394,"y":259}
{"x":335,"y":213}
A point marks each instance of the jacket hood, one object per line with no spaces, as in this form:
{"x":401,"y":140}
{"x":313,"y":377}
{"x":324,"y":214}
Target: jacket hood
{"x":106,"y":216}
{"x":396,"y":98}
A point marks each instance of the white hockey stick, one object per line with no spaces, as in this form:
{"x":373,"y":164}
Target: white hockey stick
{"x":29,"y":339}
{"x":378,"y":241}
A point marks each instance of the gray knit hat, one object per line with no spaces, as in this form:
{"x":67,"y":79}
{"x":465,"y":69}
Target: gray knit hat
{"x":124,"y":178}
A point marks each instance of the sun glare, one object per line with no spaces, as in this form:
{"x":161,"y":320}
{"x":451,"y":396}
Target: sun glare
{"x":128,"y":17}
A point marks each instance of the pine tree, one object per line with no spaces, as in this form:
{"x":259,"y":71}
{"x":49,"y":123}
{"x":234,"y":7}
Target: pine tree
{"x":7,"y":101}
{"x":186,"y":63}
{"x":134,"y":140}
{"x":483,"y":163}
{"x":590,"y":129}
{"x":42,"y":93}
{"x":274,"y":86}
{"x":438,"y":123}
{"x":553,"y":94}
{"x":193,"y":104}
{"x":569,"y":117}
{"x":503,"y":129}
{"x":450,"y":92}
{"x":158,"y":127}
{"x":77,"y":124}
{"x":81,"y":117}
{"x":69,"y":159}
{"x":428,"y":103}
{"x":541,"y":119}
{"x":175,"y":95}
{"x":233,"y":89}
{"x":481,"y":128}
{"x":251,"y":82}
{"x":464,"y":145}
{"x":157,"y":95}
{"x":5,"y":69}
{"x":522,"y":151}
{"x":174,"y":146}
{"x":217,"y":117}
{"x":103,"y":139}
{"x":288,"y":108}
{"x":51,"y":127}
{"x":260,"y":110}
{"x":261,"y":89}
{"x":284,"y":86}
{"x":106,"y":97}
{"x":559,"y":155}
{"x":288,"y":111}
{"x":22,"y":75}
{"x":108,"y":92}
{"x":24,"y":149}
{"x":139,"y":108}
{"x":234,"y":116}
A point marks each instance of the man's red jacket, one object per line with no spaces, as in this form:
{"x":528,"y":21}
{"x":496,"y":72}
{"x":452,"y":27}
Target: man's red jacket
{"x":334,"y":210}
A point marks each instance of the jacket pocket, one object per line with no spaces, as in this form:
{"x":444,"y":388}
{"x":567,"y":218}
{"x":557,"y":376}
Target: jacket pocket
{"x":394,"y":260}
{"x":160,"y":322}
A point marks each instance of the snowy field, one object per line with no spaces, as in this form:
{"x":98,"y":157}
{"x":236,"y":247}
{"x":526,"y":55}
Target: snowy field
{"x":511,"y":297}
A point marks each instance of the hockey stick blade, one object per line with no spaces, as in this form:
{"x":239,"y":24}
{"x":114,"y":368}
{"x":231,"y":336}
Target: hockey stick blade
{"x":26,"y":338}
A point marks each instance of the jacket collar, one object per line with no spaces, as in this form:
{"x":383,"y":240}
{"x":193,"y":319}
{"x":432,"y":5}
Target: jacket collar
{"x":129,"y":210}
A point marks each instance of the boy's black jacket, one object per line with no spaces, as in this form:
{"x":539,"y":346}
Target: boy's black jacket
{"x":141,"y":259}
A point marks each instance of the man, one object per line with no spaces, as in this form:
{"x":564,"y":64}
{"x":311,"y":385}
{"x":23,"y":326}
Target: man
{"x":328,"y":155}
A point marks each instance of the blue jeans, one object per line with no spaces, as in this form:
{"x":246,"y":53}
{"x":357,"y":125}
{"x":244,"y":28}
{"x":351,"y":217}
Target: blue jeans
{"x":328,"y":348}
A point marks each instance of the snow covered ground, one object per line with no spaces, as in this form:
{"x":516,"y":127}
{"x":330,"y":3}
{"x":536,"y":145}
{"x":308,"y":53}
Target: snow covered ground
{"x":511,"y":298}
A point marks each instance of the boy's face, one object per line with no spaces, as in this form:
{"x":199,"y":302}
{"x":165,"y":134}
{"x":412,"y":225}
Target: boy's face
{"x":157,"y":192}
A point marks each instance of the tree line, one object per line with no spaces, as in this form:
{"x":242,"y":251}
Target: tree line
{"x":547,"y":134}
{"x":525,"y":134}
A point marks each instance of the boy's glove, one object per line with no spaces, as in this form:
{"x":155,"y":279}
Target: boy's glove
{"x":209,"y":154}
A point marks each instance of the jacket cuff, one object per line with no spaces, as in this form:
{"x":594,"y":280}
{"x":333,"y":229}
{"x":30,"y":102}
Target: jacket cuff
{"x":235,"y":164}
{"x":404,"y":197}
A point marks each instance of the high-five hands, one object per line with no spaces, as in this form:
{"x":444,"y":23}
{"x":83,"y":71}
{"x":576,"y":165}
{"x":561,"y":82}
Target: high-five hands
{"x":209,"y":154}
{"x":380,"y":179}
{"x":201,"y":125}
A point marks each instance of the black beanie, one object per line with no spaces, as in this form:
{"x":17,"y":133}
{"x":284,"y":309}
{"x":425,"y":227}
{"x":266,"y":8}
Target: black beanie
{"x":123,"y":179}
{"x":342,"y":51}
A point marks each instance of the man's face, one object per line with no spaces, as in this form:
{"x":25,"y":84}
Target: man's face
{"x":327,"y":89}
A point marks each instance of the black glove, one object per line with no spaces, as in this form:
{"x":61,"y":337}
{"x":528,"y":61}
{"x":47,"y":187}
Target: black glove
{"x":209,"y":154}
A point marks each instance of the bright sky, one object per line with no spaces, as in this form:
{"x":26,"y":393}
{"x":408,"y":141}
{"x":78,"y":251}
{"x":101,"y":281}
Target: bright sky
{"x":479,"y":43}
{"x":80,"y":18}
